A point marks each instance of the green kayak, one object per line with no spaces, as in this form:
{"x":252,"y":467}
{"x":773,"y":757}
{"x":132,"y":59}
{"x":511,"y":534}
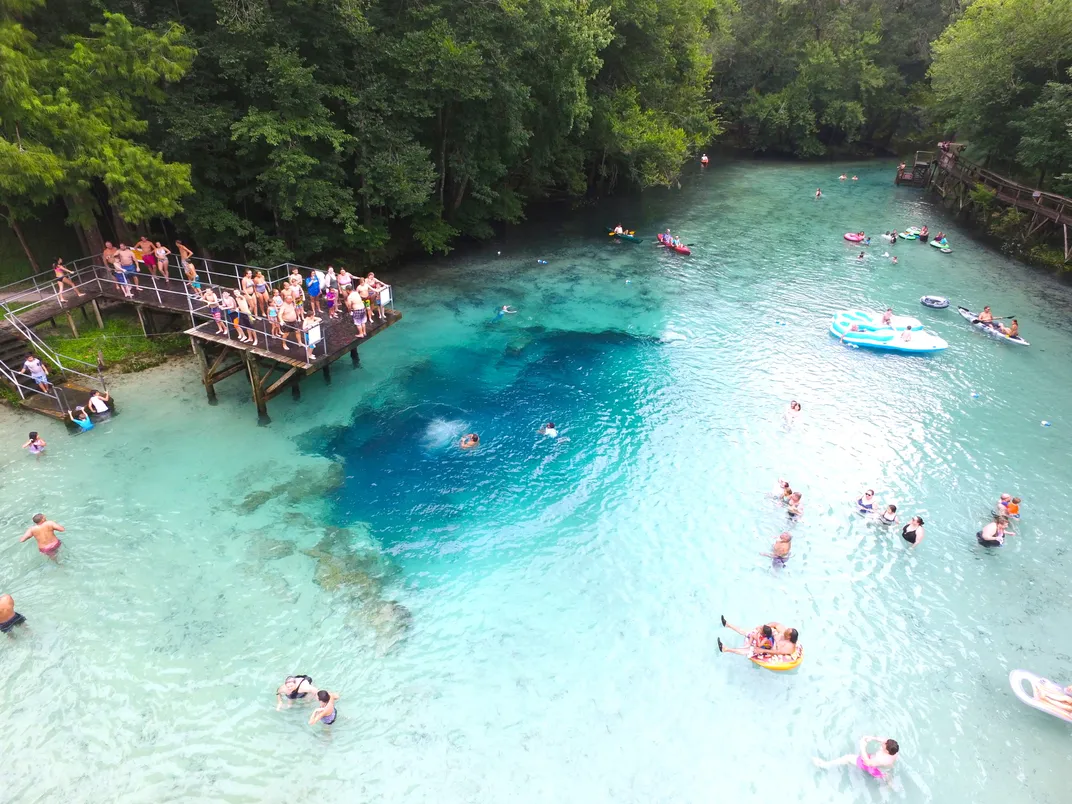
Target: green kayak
{"x":624,"y":235}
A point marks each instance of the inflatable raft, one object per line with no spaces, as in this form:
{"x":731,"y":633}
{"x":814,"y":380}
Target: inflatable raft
{"x":1040,"y":686}
{"x":630,"y":236}
{"x":853,"y":237}
{"x":937,"y":302}
{"x":871,"y":333}
{"x":993,"y":332}
{"x":943,"y":245}
{"x":781,"y":663}
{"x":679,"y":249}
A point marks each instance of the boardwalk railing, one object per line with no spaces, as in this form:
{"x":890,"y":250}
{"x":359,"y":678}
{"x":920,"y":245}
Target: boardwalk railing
{"x":23,"y":294}
{"x":1049,"y":205}
{"x":64,"y":363}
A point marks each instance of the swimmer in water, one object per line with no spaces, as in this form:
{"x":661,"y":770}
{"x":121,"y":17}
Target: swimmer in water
{"x":782,"y":492}
{"x":796,"y":507}
{"x":894,"y":259}
{"x":44,"y":531}
{"x":784,"y":641}
{"x":81,"y":418}
{"x":326,"y":711}
{"x":889,"y":516}
{"x":1002,"y":508}
{"x":762,"y":636}
{"x":1013,"y":508}
{"x":913,"y":532}
{"x":906,"y":336}
{"x":779,"y":554}
{"x":36,"y":444}
{"x":504,"y":310}
{"x":549,"y":430}
{"x":993,"y":533}
{"x":793,"y":413}
{"x":865,"y":503}
{"x":842,"y":177}
{"x":818,"y":193}
{"x":294,"y":688}
{"x":469,"y":441}
{"x":878,"y":764}
{"x":9,"y":618}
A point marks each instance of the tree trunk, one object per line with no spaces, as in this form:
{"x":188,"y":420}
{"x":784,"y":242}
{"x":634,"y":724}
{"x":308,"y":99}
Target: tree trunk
{"x":442,"y":154}
{"x":460,"y":196}
{"x":80,"y":214}
{"x":14,"y":224}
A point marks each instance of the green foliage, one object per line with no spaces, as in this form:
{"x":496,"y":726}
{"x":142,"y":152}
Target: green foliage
{"x":994,"y":75}
{"x":69,"y":115}
{"x":121,"y":343}
{"x":984,"y":197}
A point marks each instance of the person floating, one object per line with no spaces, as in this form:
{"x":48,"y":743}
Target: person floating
{"x":770,"y":639}
{"x":913,"y":532}
{"x":842,"y":177}
{"x":44,"y":531}
{"x":861,"y":257}
{"x":469,"y":441}
{"x":894,"y":259}
{"x":906,"y":336}
{"x":704,"y":160}
{"x":877,"y":764}
{"x":865,"y":503}
{"x":294,"y":688}
{"x":326,"y":712}
{"x":796,"y":507}
{"x":782,"y":492}
{"x":9,"y":618}
{"x":549,"y":429}
{"x":779,"y":554}
{"x":35,"y":444}
{"x":818,"y":193}
{"x":854,"y":178}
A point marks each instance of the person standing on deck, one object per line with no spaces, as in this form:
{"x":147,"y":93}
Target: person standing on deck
{"x":288,"y":322}
{"x":184,"y":252}
{"x":356,"y":305}
{"x":244,"y":325}
{"x":148,"y":255}
{"x":376,"y":287}
{"x":44,"y":531}
{"x":346,"y":283}
{"x":312,"y":283}
{"x":363,"y":291}
{"x":108,"y":253}
{"x":162,"y":252}
{"x":128,"y":263}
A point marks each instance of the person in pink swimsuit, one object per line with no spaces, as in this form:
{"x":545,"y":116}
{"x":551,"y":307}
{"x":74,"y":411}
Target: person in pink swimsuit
{"x":877,"y":764}
{"x":44,"y":531}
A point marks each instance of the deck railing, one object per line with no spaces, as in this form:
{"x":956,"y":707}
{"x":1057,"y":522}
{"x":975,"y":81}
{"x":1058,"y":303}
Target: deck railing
{"x":1050,"y":205}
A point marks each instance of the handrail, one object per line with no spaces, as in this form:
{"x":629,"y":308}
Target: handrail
{"x":60,"y":361}
{"x":956,"y":164}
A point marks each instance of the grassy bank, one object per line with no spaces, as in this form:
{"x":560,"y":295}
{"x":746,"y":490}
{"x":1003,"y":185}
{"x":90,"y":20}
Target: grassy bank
{"x":121,"y":344}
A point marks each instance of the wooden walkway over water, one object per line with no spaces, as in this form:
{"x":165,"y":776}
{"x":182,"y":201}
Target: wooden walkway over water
{"x":271,"y":368}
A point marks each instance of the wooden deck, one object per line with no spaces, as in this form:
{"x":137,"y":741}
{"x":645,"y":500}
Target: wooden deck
{"x":1055,"y":208}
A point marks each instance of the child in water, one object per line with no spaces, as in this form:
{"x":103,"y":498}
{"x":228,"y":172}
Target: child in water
{"x":36,"y":444}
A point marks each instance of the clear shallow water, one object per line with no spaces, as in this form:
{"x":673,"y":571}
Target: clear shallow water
{"x":565,"y":595}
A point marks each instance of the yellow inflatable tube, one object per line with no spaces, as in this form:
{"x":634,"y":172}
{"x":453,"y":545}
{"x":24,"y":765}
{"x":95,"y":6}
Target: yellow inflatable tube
{"x":780,"y":663}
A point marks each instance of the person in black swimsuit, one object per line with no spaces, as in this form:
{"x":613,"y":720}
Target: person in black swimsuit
{"x":294,"y":688}
{"x":913,"y":531}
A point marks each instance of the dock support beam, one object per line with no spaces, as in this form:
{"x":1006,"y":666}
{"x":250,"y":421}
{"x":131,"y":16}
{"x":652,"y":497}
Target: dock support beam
{"x":354,"y":357}
{"x":96,"y":312}
{"x":295,"y":389}
{"x":202,"y":362}
{"x":326,"y":371}
{"x":258,"y":388}
{"x":70,"y":323}
{"x":141,"y":320}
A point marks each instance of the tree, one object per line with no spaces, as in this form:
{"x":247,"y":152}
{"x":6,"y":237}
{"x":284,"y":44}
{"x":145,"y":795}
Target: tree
{"x":70,"y":122}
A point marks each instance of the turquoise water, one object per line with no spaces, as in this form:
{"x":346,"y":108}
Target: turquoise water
{"x":536,"y":620}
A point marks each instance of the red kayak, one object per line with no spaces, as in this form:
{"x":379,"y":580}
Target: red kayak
{"x":664,"y":241}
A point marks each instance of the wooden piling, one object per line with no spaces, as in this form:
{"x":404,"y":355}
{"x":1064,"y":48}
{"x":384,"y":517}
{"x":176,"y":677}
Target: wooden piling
{"x":257,"y":387}
{"x":326,"y":371}
{"x":354,"y":357}
{"x":70,"y":323}
{"x":96,"y":312}
{"x":202,"y":362}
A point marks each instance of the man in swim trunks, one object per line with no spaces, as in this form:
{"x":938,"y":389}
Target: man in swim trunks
{"x":376,"y":288}
{"x":294,"y":688}
{"x":9,"y":618}
{"x":887,"y":317}
{"x":127,"y":263}
{"x":986,"y":317}
{"x":325,"y":712}
{"x":289,"y":323}
{"x":108,"y":253}
{"x":877,"y":764}
{"x":779,"y":554}
{"x":356,"y":305}
{"x":44,"y":531}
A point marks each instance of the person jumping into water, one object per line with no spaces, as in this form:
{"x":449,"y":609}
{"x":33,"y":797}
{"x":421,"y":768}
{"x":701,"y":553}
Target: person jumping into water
{"x":44,"y":531}
{"x":877,"y":764}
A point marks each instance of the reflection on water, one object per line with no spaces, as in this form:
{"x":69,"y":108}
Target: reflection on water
{"x":536,"y":619}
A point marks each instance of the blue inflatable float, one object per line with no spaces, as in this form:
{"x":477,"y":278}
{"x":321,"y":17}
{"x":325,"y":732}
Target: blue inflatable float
{"x":865,"y":329}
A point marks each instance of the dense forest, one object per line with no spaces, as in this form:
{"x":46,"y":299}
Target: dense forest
{"x":268,"y":130}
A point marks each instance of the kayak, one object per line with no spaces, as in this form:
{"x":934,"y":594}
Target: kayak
{"x":679,"y":249}
{"x":630,"y":236}
{"x":993,"y":332}
{"x":1034,"y":698}
{"x":853,"y":237}
{"x":937,"y":302}
{"x":871,"y":333}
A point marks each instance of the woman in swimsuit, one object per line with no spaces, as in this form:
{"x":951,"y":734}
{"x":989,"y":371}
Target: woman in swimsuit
{"x":36,"y":444}
{"x":294,"y":688}
{"x":63,"y":277}
{"x":214,"y":310}
{"x":260,"y":290}
{"x":162,"y":252}
{"x":796,"y":507}
{"x":877,"y":764}
{"x":779,"y":554}
{"x":889,"y":516}
{"x":866,"y":502}
{"x":993,"y":533}
{"x":326,"y":713}
{"x":913,"y":531}
{"x":248,"y":289}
